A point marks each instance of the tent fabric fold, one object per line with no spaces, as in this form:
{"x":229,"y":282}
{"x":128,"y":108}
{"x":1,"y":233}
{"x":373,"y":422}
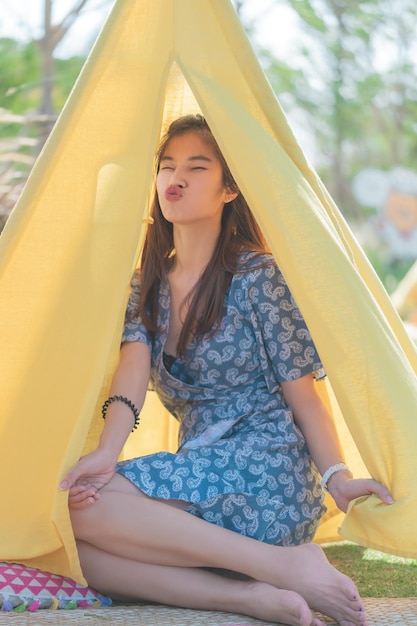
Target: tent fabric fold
{"x":73,"y":240}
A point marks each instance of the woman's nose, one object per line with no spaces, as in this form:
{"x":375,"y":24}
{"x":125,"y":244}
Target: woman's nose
{"x":178,"y":178}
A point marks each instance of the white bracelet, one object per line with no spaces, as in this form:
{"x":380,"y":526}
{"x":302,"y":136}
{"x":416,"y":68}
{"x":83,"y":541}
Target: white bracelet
{"x":329,"y":473}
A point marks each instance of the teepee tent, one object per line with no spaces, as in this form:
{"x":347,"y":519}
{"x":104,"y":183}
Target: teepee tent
{"x":404,"y":297}
{"x":73,"y":240}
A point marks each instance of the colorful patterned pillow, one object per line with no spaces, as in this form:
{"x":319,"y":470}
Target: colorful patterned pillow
{"x":23,"y":588}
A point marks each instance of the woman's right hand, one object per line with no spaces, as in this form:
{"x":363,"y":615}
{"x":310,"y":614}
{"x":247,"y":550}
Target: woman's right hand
{"x":87,"y":477}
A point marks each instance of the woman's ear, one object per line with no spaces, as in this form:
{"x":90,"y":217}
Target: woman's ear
{"x":231,"y":195}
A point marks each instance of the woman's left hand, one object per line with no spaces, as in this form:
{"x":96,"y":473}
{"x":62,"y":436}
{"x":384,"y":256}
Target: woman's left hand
{"x":344,"y":489}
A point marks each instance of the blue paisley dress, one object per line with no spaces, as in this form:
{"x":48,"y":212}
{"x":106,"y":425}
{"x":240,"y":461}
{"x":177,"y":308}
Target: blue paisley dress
{"x":241,"y":463}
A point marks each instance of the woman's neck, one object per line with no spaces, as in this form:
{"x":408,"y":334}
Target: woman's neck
{"x":193,"y":250}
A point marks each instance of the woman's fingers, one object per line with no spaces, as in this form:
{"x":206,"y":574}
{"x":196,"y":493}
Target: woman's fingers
{"x":82,"y":495}
{"x":71,"y":478}
{"x":381,"y":491}
{"x":345,"y":490}
{"x":82,"y":504}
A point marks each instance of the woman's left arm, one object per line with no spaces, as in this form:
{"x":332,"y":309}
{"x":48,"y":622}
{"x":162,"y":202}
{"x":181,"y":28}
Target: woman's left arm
{"x":316,"y":424}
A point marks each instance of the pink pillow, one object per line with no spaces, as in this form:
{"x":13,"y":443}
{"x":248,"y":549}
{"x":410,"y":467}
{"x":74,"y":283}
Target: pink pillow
{"x":23,"y":588}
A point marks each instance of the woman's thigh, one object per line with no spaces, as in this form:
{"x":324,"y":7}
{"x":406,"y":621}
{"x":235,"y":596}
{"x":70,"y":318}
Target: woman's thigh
{"x":121,"y":484}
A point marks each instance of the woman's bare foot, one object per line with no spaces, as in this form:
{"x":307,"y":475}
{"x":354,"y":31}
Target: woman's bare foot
{"x":324,"y":588}
{"x":266,"y":602}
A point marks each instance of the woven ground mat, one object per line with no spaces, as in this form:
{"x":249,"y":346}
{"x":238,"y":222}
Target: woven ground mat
{"x":381,"y":612}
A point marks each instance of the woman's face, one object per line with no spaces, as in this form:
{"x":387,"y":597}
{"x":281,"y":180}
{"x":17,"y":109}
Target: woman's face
{"x":190,"y":182}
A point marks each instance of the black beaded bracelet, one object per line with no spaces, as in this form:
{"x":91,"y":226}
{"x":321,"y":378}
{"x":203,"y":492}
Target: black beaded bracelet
{"x":125,"y":401}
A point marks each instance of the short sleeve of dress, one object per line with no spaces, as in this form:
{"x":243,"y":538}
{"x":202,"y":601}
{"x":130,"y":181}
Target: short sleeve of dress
{"x":287,"y":350}
{"x":134,"y":329}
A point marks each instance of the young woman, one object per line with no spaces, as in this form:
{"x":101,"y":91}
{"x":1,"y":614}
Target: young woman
{"x":212,"y":328}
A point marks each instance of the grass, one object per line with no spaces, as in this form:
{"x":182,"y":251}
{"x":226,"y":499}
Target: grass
{"x":376,"y":574}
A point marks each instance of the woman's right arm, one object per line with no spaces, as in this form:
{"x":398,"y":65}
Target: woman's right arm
{"x":131,"y":381}
{"x":96,"y":469}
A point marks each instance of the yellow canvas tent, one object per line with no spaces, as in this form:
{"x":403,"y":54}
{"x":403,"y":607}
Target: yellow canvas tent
{"x":73,"y":240}
{"x":405,"y":296}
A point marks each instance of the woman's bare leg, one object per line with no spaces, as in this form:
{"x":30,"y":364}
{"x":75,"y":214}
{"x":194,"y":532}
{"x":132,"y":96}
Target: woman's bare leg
{"x":192,"y":588}
{"x":148,"y":531}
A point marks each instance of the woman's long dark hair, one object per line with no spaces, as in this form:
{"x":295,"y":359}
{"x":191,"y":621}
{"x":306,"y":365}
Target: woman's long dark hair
{"x":239,"y":233}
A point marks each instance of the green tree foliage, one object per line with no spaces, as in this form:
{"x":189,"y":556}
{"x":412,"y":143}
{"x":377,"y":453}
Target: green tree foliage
{"x":353,"y":78}
{"x":67,"y":72}
{"x":34,"y":86}
{"x":19,"y":76}
{"x":20,"y":121}
{"x":398,"y":98}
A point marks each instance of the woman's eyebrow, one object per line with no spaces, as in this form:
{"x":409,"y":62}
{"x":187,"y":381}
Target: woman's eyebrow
{"x":197,"y":157}
{"x":200,"y":157}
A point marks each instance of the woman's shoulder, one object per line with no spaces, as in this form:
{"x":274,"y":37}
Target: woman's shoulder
{"x":256,"y":272}
{"x":135,"y":283}
{"x":255,"y":265}
{"x":250,"y":260}
{"x":134,"y":296}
